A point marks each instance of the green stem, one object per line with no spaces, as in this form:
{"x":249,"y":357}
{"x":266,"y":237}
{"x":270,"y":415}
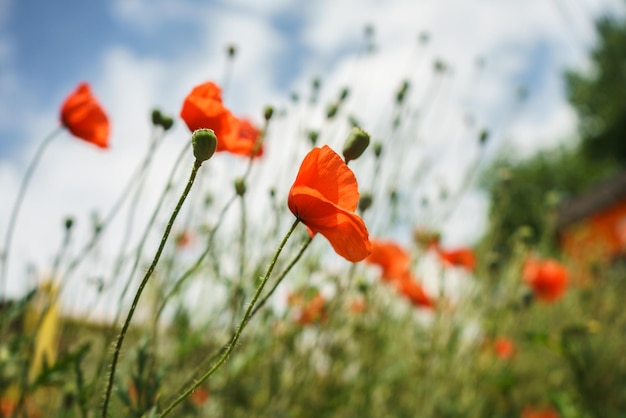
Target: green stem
{"x":144,"y":281}
{"x":282,"y":276}
{"x":18,"y":203}
{"x":109,"y":334}
{"x":242,"y":324}
{"x":196,"y":265}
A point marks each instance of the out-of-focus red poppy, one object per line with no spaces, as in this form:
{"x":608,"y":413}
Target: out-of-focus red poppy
{"x":184,"y":239}
{"x":357,"y":306}
{"x":324,"y":197}
{"x":247,"y":140}
{"x":530,"y":412}
{"x":203,"y":108}
{"x":83,"y":116}
{"x":199,"y":396}
{"x":391,"y":257}
{"x":414,"y":291}
{"x":426,"y":238}
{"x":504,"y":347}
{"x":460,"y":257}
{"x":309,"y":310}
{"x":7,"y":408}
{"x":548,"y":278}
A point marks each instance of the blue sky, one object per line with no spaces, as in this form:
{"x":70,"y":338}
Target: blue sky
{"x":138,"y":54}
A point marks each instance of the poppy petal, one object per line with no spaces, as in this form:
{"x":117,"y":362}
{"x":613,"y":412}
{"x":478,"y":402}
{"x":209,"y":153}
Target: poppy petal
{"x":83,"y":116}
{"x":324,"y":170}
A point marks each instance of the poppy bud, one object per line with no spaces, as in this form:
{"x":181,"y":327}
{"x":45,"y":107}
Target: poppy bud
{"x":313,"y":135}
{"x":156,"y":117}
{"x":159,"y":119}
{"x":424,"y":38}
{"x":378,"y":149}
{"x":208,"y":200}
{"x":167,"y":122}
{"x":316,"y":83}
{"x":404,"y":88}
{"x":440,"y":66}
{"x":358,"y":140}
{"x":362,"y":286}
{"x":484,"y":135}
{"x":393,"y":195}
{"x":231,"y":50}
{"x":240,"y":186}
{"x":365,"y":202}
{"x":272,"y":192}
{"x":295,"y":97}
{"x":343,"y":95}
{"x":69,"y":222}
{"x":268,"y":112}
{"x":204,"y":143}
{"x":332,"y":110}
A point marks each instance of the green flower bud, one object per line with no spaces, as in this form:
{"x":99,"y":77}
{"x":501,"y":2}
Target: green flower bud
{"x":69,"y":222}
{"x":378,"y":149}
{"x":365,"y":202}
{"x":484,"y":135}
{"x":157,"y":118}
{"x":316,"y":83}
{"x":295,"y":97}
{"x":268,"y":112}
{"x":332,"y":110}
{"x":313,"y":135}
{"x":440,"y":66}
{"x":424,"y":38}
{"x":393,"y":195}
{"x":343,"y":95}
{"x":231,"y":50}
{"x":357,"y":142}
{"x":167,"y":123}
{"x":401,"y":93}
{"x":240,"y":186}
{"x":204,"y":143}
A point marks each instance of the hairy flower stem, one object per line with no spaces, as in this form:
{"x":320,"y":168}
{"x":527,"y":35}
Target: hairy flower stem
{"x":242,"y":324}
{"x":4,"y":256}
{"x":282,"y":275}
{"x":142,"y":285}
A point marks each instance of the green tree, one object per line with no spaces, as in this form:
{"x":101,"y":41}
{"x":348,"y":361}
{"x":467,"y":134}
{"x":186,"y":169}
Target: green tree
{"x":598,"y":97}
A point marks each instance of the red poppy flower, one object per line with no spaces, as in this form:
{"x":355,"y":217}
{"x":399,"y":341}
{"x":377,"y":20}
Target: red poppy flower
{"x":324,"y":197}
{"x":504,"y":347}
{"x":245,"y":142}
{"x":530,"y":412}
{"x":414,"y":291}
{"x":83,"y":116}
{"x":391,"y":257}
{"x":548,"y":278}
{"x":357,"y":306}
{"x":310,"y":309}
{"x":461,"y":257}
{"x":203,"y":108}
{"x":199,"y":396}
